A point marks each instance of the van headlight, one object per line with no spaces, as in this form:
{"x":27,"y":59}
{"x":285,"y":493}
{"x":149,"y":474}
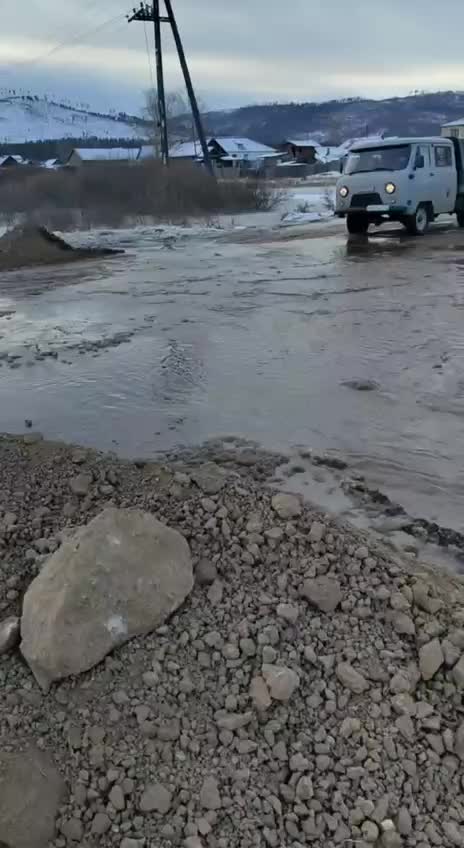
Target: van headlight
{"x":390,"y":188}
{"x":344,"y":191}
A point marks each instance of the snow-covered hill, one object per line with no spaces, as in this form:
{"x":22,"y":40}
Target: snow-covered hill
{"x":30,"y":118}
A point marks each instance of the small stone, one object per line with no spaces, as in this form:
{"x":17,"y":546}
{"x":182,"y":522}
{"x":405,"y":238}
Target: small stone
{"x":193,"y":842}
{"x":9,"y":634}
{"x":406,"y":727}
{"x":259,"y":694}
{"x":351,"y":679}
{"x":210,"y":798}
{"x":404,"y":822}
{"x":286,"y":506}
{"x":317,"y":532}
{"x":304,"y":788}
{"x":156,"y":798}
{"x":116,"y":798}
{"x":459,"y":742}
{"x":205,"y":572}
{"x":458,"y":673}
{"x":234,"y":721}
{"x":450,"y":652}
{"x":430,"y":659}
{"x":289,"y":612}
{"x":403,"y":624}
{"x":101,"y":824}
{"x":282,"y":681}
{"x":210,"y":478}
{"x":81,"y":484}
{"x":72,"y":829}
{"x":323,"y":592}
{"x":370,"y":831}
{"x":454,"y":833}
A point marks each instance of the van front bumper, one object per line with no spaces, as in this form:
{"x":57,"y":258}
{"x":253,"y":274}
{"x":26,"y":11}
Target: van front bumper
{"x":374,"y":210}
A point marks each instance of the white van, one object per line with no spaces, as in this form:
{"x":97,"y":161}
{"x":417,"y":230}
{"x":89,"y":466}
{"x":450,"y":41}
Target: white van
{"x":411,"y":180}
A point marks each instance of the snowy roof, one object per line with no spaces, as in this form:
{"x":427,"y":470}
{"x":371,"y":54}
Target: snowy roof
{"x":459,"y":123}
{"x":106,"y":154}
{"x":241,"y":147}
{"x":18,"y":159}
{"x":307,"y":141}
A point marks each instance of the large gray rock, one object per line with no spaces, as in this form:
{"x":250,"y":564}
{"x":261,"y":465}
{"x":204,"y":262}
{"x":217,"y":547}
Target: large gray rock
{"x":31,"y":791}
{"x":120,"y":576}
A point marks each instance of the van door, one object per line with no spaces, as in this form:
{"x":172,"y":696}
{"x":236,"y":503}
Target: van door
{"x":445,"y":178}
{"x":422,"y":187}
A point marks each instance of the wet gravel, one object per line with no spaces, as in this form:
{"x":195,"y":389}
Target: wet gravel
{"x":308,"y":692}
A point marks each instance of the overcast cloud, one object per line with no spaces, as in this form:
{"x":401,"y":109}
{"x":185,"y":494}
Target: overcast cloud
{"x":243,"y":52}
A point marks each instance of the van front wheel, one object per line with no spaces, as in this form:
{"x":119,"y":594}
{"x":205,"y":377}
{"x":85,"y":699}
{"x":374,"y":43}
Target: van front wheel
{"x":418,"y":224}
{"x":357,"y":223}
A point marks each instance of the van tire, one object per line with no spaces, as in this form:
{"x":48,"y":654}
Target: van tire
{"x":357,"y":223}
{"x":418,"y":224}
{"x":460,"y":218}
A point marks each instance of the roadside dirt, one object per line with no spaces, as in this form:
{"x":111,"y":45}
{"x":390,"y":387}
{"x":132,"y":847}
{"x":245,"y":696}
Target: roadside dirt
{"x":31,"y":246}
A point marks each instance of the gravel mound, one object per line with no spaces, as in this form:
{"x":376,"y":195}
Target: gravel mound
{"x":26,"y":246}
{"x":308,"y":692}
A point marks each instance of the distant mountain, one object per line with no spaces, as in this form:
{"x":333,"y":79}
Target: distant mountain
{"x":29,"y":122}
{"x":28,"y":118}
{"x":336,"y":120}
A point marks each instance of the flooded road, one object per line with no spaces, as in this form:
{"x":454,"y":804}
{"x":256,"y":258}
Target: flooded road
{"x":270,"y":338}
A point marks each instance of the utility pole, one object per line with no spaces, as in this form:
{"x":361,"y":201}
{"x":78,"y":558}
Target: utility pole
{"x":147,"y":13}
{"x":162,"y":117}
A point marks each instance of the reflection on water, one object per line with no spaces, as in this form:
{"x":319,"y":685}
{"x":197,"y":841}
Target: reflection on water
{"x":260,"y":340}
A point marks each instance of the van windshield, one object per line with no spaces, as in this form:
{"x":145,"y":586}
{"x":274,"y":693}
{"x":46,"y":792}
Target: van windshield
{"x":395,"y":158}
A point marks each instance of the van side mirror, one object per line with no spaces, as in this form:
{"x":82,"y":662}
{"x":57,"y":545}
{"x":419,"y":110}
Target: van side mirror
{"x":342,"y":164}
{"x":420,"y":161}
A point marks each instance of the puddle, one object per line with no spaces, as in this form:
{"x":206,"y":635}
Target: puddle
{"x":256,"y":339}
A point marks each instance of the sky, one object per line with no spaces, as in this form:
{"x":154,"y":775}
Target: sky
{"x":247,"y":51}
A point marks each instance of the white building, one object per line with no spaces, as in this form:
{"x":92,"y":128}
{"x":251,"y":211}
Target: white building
{"x":453,"y":129}
{"x":91,"y":155}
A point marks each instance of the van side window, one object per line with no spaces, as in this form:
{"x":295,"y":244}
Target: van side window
{"x":443,"y":158}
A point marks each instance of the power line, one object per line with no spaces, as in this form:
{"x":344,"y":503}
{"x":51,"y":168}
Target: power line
{"x":77,"y":39}
{"x":150,"y":69}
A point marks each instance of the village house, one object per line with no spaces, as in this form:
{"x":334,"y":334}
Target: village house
{"x":240,"y":155}
{"x":453,"y":129}
{"x":11,"y":161}
{"x":87,"y":156}
{"x":301,"y":150}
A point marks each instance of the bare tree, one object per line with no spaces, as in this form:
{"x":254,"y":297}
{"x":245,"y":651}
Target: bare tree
{"x":178,"y":117}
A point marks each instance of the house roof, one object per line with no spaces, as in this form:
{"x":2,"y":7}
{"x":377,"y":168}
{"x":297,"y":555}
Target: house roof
{"x":241,"y":148}
{"x":307,"y":141}
{"x":459,"y":123}
{"x":106,"y":154}
{"x":18,"y":159}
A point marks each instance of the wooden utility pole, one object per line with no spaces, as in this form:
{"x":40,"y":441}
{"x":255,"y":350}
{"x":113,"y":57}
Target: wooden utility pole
{"x":152,"y":13}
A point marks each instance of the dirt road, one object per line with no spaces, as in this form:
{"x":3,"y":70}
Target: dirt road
{"x":264,"y":334}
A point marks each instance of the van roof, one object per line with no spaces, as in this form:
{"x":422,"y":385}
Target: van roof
{"x":394,"y":141}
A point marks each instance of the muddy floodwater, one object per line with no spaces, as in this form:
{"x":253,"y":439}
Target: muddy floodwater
{"x":290,"y":340}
